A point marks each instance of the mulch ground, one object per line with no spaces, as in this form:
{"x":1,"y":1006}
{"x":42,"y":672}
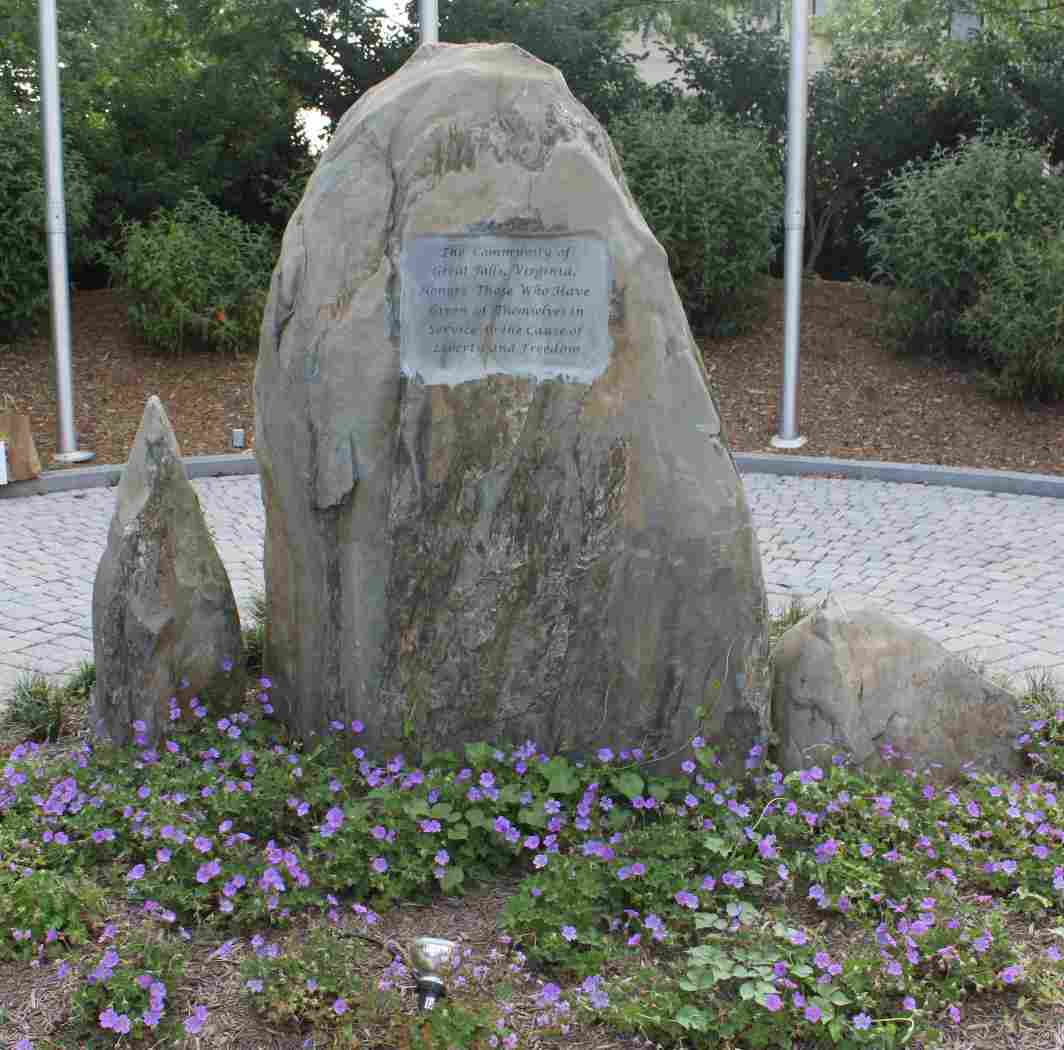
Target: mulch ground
{"x":858,"y":400}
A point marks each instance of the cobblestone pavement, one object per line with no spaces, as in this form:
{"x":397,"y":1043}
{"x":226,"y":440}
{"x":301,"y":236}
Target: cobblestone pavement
{"x":983,"y":573}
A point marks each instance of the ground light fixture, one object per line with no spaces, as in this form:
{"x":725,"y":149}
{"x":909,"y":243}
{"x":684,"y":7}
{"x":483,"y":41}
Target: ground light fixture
{"x":430,"y":957}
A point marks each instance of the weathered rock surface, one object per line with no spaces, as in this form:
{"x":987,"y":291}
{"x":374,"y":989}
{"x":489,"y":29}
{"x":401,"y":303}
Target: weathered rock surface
{"x":849,"y":678}
{"x":480,"y":546}
{"x":162,"y":606}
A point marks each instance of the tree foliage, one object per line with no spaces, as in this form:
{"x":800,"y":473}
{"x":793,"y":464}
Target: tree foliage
{"x":157,"y":105}
{"x":577,"y":36}
{"x":873,"y":109}
{"x":23,"y":240}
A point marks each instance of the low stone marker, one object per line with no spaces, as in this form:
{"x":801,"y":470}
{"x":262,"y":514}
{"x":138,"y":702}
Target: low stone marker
{"x":850,"y":679}
{"x":162,"y":607}
{"x":498,"y":502}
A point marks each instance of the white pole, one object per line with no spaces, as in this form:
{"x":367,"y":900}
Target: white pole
{"x":429,"y":17}
{"x":794,"y":226}
{"x":55,"y":208}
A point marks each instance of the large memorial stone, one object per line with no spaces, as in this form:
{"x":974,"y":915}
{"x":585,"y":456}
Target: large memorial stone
{"x":498,"y":502}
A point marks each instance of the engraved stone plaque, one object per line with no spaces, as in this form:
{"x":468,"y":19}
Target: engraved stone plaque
{"x":474,"y":305}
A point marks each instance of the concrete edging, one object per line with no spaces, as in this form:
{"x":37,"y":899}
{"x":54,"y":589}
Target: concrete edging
{"x":107,"y":476}
{"x":1007,"y":482}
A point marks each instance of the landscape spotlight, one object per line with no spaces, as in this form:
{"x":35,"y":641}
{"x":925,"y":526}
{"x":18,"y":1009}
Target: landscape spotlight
{"x":430,"y":955}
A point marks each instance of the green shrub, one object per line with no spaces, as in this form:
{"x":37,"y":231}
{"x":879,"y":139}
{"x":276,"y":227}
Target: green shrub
{"x":254,"y":635}
{"x":23,"y":244}
{"x":1017,"y":323}
{"x":198,"y":277}
{"x":37,"y":707}
{"x":941,"y":227}
{"x":713,"y":196}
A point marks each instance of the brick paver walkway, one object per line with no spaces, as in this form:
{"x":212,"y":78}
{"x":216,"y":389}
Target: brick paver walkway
{"x":983,"y":573}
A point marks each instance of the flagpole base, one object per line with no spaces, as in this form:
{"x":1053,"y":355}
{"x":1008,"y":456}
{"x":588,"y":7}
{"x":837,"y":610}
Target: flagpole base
{"x":782,"y":442}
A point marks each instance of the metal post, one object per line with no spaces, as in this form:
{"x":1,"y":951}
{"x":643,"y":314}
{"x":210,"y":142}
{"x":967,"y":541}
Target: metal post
{"x":55,"y":207}
{"x":429,"y":16}
{"x":794,"y":226}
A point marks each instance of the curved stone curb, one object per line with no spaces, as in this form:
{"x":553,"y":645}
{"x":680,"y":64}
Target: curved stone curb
{"x":1011,"y":482}
{"x":1008,"y":482}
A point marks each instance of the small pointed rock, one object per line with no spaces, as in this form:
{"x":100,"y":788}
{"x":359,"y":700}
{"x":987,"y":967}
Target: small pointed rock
{"x":162,"y":605}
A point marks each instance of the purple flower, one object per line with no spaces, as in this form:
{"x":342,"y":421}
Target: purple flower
{"x":379,"y":865}
{"x":540,"y":860}
{"x":797,"y":937}
{"x":592,"y":988}
{"x":569,"y":933}
{"x":194,"y":1024}
{"x":206,"y":872}
{"x":656,"y":926}
{"x":908,"y":1003}
{"x":686,"y":900}
{"x":340,"y":1007}
{"x":605,"y":754}
{"x":108,"y":1018}
{"x":773,"y":1002}
{"x":442,"y":857}
{"x":812,"y":1013}
{"x":862,"y":1022}
{"x":1011,"y":974}
{"x":954,"y":1014}
{"x":135,"y":873}
{"x":549,"y":993}
{"x":826,"y":850}
{"x":271,"y":880}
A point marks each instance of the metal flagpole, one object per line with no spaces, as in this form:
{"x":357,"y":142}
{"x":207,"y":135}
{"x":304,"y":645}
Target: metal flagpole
{"x":794,"y":226}
{"x":55,"y":207}
{"x":429,"y":16}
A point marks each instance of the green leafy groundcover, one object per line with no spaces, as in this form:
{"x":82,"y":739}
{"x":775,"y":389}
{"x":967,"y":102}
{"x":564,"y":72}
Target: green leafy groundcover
{"x":740,"y":894}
